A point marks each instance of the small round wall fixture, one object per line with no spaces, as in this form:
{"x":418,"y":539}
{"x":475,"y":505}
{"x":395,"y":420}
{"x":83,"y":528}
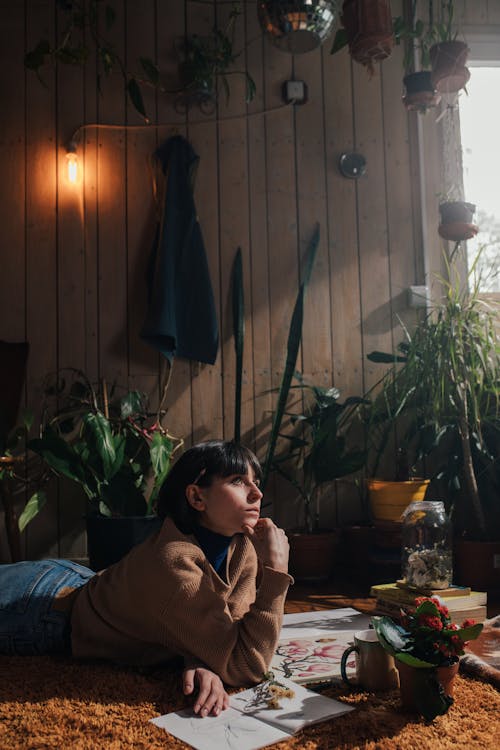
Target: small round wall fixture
{"x":352,"y":165}
{"x":297,"y":26}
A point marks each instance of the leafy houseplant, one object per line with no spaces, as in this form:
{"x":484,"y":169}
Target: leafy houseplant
{"x":207,"y":59}
{"x":367,"y":29}
{"x":426,"y":641}
{"x":318,"y":452}
{"x":107,"y":445}
{"x":442,"y":393}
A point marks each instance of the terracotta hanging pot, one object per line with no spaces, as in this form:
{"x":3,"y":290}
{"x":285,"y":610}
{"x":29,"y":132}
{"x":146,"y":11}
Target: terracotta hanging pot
{"x":368,"y":25}
{"x":419,"y":93}
{"x":456,"y":221}
{"x":426,"y":691}
{"x":449,"y":72}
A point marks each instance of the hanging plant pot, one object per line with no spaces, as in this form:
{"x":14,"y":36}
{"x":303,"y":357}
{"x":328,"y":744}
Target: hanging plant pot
{"x":449,"y":72}
{"x":368,"y":26}
{"x":419,"y":93}
{"x":456,"y":221}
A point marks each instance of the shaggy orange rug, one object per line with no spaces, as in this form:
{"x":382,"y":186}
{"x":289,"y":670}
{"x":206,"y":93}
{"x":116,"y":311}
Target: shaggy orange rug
{"x":49,"y":702}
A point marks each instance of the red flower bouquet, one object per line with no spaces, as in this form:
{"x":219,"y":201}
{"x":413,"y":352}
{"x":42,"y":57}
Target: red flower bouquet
{"x":426,"y":637}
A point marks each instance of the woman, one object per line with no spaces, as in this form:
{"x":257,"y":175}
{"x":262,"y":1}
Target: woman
{"x":209,"y":586}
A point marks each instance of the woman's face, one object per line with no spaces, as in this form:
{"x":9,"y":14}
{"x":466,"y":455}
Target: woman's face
{"x":230,"y":503}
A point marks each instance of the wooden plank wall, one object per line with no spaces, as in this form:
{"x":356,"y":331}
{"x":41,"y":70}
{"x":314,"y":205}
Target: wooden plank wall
{"x":74,"y":258}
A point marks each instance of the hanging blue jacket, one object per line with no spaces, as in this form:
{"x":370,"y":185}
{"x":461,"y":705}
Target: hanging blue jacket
{"x":181,"y":319}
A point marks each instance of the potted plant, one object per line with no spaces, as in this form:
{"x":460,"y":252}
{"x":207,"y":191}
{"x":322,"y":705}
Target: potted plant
{"x":83,"y":36}
{"x":443,"y":395}
{"x":435,"y":42}
{"x":367,"y":30}
{"x":426,"y":647}
{"x":207,"y":62}
{"x":456,"y":222}
{"x":113,"y":450}
{"x":317,"y":454}
{"x":449,"y":54}
{"x":19,"y":472}
{"x":419,"y":93}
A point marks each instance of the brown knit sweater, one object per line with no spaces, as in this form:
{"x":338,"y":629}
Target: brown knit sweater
{"x":164,"y":599}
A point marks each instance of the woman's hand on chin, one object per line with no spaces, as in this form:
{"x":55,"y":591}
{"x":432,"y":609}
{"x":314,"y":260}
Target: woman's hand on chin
{"x":270,"y":542}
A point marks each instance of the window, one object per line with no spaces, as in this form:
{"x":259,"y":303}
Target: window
{"x":479,"y":131}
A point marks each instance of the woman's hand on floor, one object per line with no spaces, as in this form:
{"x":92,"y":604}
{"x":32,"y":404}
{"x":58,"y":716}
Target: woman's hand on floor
{"x":212,"y":697}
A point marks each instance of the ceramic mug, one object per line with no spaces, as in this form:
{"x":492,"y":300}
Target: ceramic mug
{"x":375,"y":668}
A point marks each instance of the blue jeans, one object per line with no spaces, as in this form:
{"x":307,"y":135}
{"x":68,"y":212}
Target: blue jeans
{"x":35,"y":605}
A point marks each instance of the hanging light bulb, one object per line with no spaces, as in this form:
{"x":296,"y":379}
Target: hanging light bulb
{"x":297,"y":26}
{"x":72,"y":161}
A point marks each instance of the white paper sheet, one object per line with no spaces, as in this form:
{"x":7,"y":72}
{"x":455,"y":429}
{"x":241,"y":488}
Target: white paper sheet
{"x":231,"y":730}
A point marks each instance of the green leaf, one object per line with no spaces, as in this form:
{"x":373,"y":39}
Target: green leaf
{"x":36,"y":57}
{"x":104,"y":509}
{"x":340,"y":41}
{"x":119,"y":442}
{"x":32,"y":507}
{"x":251,"y":88}
{"x":59,"y":455}
{"x":239,"y":335}
{"x":98,"y":435}
{"x":108,"y":58}
{"x":72,"y":55}
{"x":132,"y":403}
{"x":135,"y":96}
{"x":293,"y":343}
{"x":470,"y":633}
{"x":161,"y":454}
{"x":413,"y":661}
{"x":225,"y":86}
{"x":392,"y":636}
{"x":311,"y":256}
{"x":150,"y":70}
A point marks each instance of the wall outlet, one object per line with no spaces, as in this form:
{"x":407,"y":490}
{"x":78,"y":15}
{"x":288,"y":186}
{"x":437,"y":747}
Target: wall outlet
{"x":418,"y":296}
{"x":295,"y":92}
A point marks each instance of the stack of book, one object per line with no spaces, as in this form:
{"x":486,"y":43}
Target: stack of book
{"x":463,"y":604}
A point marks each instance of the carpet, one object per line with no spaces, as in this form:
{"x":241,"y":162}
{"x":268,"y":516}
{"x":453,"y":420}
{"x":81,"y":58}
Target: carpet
{"x":482,"y":658}
{"x":54,"y":702}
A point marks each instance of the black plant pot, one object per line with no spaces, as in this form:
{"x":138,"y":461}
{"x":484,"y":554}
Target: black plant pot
{"x":456,"y":221}
{"x":109,"y":539}
{"x":419,"y":93}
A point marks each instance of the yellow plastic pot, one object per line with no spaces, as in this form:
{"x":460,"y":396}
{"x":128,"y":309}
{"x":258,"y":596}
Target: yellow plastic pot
{"x":388,"y":500}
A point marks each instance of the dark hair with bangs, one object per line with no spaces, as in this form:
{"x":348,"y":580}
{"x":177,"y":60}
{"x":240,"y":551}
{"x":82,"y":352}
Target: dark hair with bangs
{"x":199,"y":465}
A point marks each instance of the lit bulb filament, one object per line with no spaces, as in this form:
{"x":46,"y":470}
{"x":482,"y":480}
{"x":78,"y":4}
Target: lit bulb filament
{"x":72,"y":167}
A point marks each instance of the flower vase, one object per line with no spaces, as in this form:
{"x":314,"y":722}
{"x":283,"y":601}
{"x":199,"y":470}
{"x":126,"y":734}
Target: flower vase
{"x":427,"y":691}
